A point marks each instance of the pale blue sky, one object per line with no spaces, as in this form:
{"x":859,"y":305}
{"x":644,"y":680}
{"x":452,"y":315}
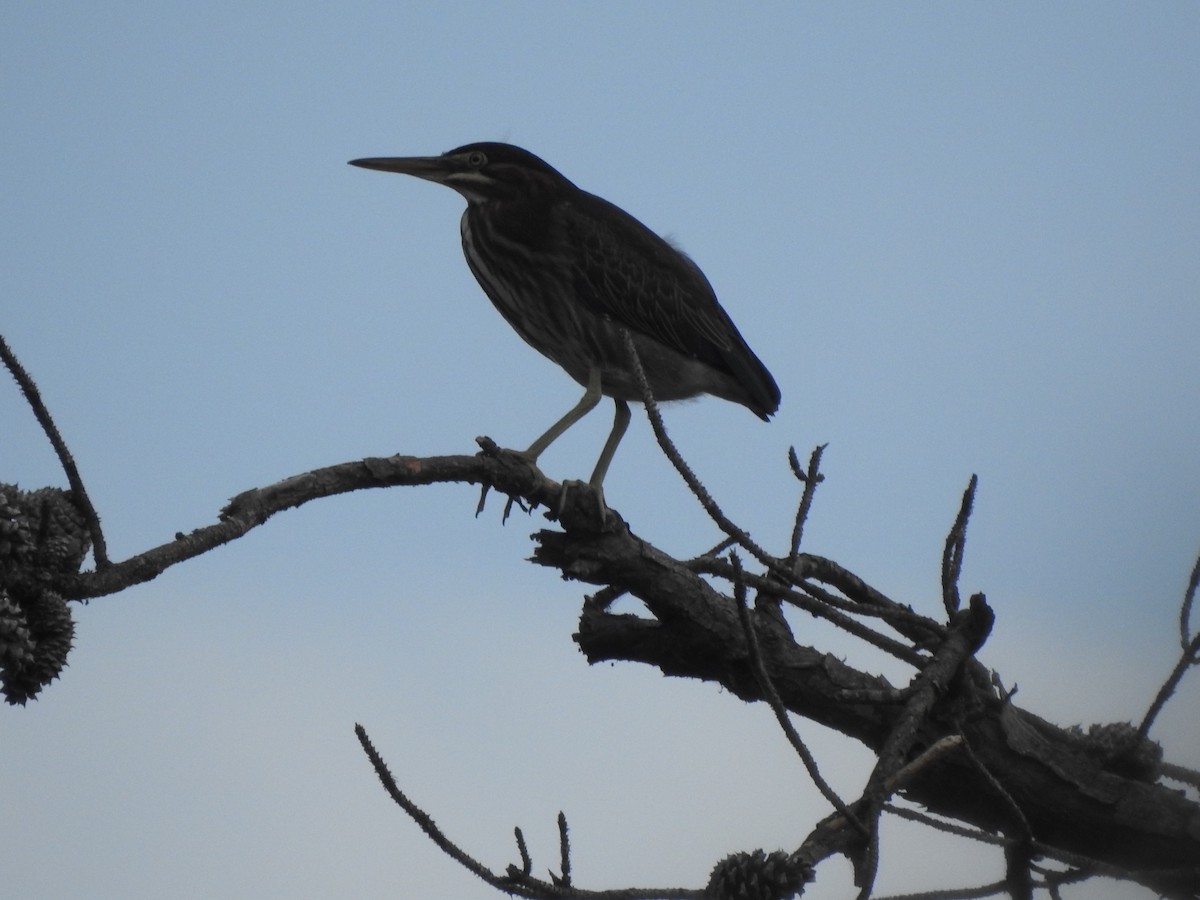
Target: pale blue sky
{"x":964,"y":237}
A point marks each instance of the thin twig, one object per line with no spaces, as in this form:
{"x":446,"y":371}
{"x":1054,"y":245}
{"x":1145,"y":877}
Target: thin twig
{"x":776,"y":703}
{"x":901,"y":618}
{"x":810,"y":478}
{"x":952,"y":554}
{"x":915,"y":815}
{"x":523,"y":850}
{"x":967,"y":632}
{"x":1054,"y":879}
{"x":930,"y":755}
{"x":78,"y":492}
{"x":685,"y":471}
{"x":920,"y":629}
{"x":716,"y":551}
{"x":821,"y":606}
{"x":1185,"y":608}
{"x":1188,"y":658}
{"x":1024,"y":832}
{"x":984,"y":890}
{"x":929,"y":684}
{"x":423,"y":819}
{"x":515,"y":882}
{"x":1075,"y":860}
{"x":564,"y":851}
{"x":1182,"y":774}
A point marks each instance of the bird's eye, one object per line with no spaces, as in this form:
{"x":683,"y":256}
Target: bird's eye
{"x":477,"y":159}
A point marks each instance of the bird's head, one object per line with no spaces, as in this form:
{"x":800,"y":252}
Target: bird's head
{"x":480,"y":172}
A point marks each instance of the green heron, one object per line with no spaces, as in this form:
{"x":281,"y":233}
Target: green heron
{"x":572,"y":273}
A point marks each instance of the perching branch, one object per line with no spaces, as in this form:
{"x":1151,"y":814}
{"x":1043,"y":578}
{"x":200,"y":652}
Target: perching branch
{"x":505,"y":470}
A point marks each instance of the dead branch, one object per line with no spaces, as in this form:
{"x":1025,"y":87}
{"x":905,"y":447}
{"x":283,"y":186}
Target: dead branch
{"x":79,"y":493}
{"x":516,"y":879}
{"x":949,"y":741}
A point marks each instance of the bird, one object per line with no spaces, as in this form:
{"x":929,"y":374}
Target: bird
{"x":577,"y":277}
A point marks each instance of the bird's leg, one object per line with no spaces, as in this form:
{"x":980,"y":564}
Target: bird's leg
{"x":620,"y":423}
{"x":586,"y":404}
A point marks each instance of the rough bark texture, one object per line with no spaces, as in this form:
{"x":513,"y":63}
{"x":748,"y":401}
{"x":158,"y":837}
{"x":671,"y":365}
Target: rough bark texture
{"x":1074,"y":795}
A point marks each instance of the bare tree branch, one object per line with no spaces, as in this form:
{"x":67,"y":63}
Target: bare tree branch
{"x":772,"y":696}
{"x":810,"y":478}
{"x":685,"y":471}
{"x":503,"y":469}
{"x":948,"y":739}
{"x":1188,"y":658}
{"x":564,"y":852}
{"x":517,"y":879}
{"x":952,"y":555}
{"x":79,"y":493}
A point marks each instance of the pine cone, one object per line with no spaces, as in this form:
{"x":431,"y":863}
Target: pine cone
{"x":41,"y":636}
{"x":16,"y":535}
{"x":758,"y":876}
{"x":42,"y":536}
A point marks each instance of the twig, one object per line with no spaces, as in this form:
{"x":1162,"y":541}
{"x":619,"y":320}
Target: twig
{"x":1188,"y":658}
{"x":952,"y":555}
{"x":920,"y":629}
{"x":984,"y":890}
{"x":1185,"y":608}
{"x":810,"y":478}
{"x":424,"y":821}
{"x":915,"y":815}
{"x":1083,"y":867}
{"x":716,"y":551}
{"x":930,"y":755}
{"x":685,"y":471}
{"x":900,"y":618}
{"x":968,"y":630}
{"x":42,"y":414}
{"x":516,"y":881}
{"x":1075,"y":860}
{"x":1182,"y":774}
{"x":564,"y":852}
{"x":1054,"y":879}
{"x":1014,"y":809}
{"x":826,"y":607}
{"x":772,"y":696}
{"x":523,"y":851}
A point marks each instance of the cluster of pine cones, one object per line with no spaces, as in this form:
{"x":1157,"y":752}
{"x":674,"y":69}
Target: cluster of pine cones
{"x":43,"y":537}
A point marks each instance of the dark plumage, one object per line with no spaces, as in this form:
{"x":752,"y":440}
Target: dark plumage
{"x":571,"y":271}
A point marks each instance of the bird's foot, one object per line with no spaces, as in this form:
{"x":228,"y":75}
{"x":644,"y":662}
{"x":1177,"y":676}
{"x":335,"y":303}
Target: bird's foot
{"x":534,"y":487}
{"x":508,"y":505}
{"x":582,"y":505}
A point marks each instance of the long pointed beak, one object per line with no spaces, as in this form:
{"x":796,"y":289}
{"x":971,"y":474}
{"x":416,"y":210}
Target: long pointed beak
{"x":431,"y":168}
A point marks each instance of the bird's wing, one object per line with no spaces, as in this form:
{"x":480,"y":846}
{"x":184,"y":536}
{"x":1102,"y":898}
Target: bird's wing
{"x":626,"y":272}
